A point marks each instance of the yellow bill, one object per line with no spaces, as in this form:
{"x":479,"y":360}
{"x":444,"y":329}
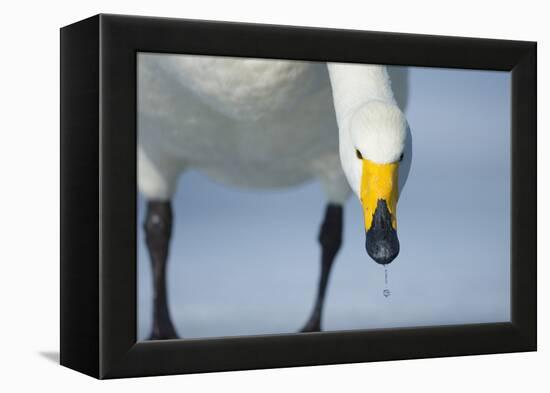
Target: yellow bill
{"x":379,"y":182}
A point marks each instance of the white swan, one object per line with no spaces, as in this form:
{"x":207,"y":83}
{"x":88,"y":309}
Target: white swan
{"x":270,"y":123}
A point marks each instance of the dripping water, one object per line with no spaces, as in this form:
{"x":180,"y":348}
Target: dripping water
{"x":386,"y":292}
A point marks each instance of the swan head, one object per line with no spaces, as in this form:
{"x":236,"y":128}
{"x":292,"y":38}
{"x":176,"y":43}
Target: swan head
{"x":378,"y":134}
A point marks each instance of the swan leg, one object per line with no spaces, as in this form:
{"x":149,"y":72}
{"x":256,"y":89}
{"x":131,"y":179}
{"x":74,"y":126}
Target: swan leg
{"x":158,"y":228}
{"x":330,"y":238}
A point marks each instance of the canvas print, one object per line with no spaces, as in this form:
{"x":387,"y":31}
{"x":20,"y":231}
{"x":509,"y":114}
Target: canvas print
{"x":280,"y":196}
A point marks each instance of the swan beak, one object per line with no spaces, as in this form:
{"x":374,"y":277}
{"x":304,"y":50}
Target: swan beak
{"x":379,"y":191}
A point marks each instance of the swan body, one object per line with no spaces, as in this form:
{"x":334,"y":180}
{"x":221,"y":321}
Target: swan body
{"x":243,"y":122}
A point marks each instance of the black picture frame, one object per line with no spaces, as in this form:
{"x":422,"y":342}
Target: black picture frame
{"x":98,"y":196}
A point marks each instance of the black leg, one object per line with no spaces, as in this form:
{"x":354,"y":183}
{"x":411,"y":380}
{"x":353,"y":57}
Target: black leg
{"x":330,"y":238}
{"x":158,"y":228}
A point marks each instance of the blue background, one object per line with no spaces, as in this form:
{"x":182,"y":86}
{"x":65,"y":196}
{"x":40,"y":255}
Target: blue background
{"x":247,"y":262}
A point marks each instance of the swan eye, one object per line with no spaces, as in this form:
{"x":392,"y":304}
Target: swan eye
{"x":401,"y":157}
{"x":358,"y":154}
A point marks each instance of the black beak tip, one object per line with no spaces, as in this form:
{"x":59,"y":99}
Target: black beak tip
{"x":383,"y":251}
{"x":381,"y":241}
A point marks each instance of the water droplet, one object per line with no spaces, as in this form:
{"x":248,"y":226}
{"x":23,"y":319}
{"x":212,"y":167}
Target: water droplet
{"x":386,"y":292}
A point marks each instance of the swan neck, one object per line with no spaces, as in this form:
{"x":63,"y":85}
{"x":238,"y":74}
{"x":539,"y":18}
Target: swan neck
{"x":354,"y":85}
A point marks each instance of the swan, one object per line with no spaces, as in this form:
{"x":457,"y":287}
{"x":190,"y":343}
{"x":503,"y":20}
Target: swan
{"x":265,"y":123}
